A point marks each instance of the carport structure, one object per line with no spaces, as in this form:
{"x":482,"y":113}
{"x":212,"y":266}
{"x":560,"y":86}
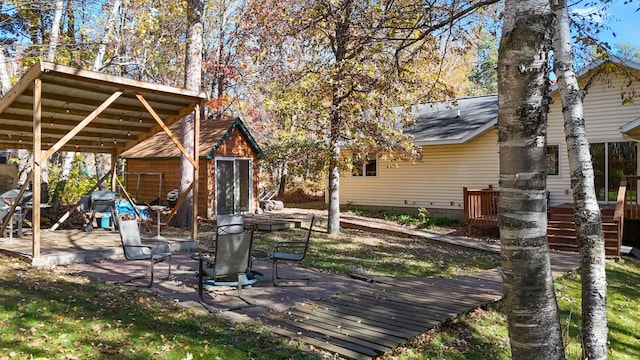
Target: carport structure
{"x":60,"y":108}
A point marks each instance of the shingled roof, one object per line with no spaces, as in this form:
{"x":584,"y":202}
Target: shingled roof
{"x":453,"y":122}
{"x":212,"y":134}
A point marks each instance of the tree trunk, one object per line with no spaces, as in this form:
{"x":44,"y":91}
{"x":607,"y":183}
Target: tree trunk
{"x":532,"y":310}
{"x":588,"y":220}
{"x":333,"y":221}
{"x":55,"y":31}
{"x":5,"y":79}
{"x":51,"y":55}
{"x":192,"y":81}
{"x":112,"y":25}
{"x":71,"y":22}
{"x":103,"y":165}
{"x":62,"y":183}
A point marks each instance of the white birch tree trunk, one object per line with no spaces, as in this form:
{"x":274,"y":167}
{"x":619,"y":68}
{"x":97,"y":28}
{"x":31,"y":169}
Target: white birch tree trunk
{"x":62,"y":183}
{"x":111,"y":28}
{"x":523,"y":69}
{"x":588,"y":220}
{"x":103,"y":161}
{"x":51,"y":55}
{"x":192,"y":81}
{"x":5,"y":79}
{"x":55,"y":31}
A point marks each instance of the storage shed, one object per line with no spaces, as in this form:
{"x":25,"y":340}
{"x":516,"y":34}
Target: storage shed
{"x":228,"y":157}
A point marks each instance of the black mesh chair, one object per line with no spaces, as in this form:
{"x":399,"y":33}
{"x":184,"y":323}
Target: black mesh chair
{"x":134,"y":249}
{"x":294,"y":251}
{"x":228,"y":265}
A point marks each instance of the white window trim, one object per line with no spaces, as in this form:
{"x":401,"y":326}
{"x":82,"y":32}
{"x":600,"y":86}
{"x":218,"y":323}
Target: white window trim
{"x":236,"y":187}
{"x":559,"y":174}
{"x":363,"y":169}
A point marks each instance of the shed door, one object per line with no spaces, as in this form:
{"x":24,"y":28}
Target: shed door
{"x":233,"y":186}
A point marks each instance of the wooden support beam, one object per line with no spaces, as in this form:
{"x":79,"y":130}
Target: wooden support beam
{"x":179,"y":202}
{"x":57,"y":146}
{"x":196,"y":171}
{"x":15,"y":203}
{"x":35,"y":183}
{"x":167,"y":130}
{"x":17,"y":90}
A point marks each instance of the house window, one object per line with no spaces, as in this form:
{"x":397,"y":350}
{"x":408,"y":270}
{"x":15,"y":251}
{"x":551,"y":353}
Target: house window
{"x":552,"y":156}
{"x":611,"y":162}
{"x":369,"y":167}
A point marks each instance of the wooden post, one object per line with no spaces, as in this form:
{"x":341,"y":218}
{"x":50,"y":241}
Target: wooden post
{"x":37,"y":149}
{"x":196,"y":172}
{"x":114,"y":183}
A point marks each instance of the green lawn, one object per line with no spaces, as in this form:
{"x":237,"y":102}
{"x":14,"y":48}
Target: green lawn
{"x":482,"y":334}
{"x":380,"y":254}
{"x":49,"y":314}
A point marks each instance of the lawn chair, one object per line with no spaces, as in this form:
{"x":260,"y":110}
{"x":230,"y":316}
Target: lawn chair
{"x":135,"y":250}
{"x":290,"y":251}
{"x":225,"y":224}
{"x":229,"y":224}
{"x":231,"y":266}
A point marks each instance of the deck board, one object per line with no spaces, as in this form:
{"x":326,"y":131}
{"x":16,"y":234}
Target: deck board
{"x":366,"y":323}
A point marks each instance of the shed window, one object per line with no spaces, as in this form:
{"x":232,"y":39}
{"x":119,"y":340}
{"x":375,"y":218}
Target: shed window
{"x":369,"y":167}
{"x":552,"y":156}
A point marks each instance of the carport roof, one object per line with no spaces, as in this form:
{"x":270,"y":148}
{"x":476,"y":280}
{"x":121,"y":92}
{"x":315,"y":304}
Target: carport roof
{"x":70,"y":98}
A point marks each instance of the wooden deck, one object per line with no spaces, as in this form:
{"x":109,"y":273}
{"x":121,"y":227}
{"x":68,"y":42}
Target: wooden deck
{"x":366,"y":323}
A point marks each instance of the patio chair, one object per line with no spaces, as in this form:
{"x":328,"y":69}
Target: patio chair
{"x":225,"y":224}
{"x":230,"y":266}
{"x":229,"y":224}
{"x":135,"y":250}
{"x":290,"y":251}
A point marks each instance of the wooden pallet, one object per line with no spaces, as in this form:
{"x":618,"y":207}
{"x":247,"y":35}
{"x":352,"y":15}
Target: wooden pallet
{"x":367,"y":323}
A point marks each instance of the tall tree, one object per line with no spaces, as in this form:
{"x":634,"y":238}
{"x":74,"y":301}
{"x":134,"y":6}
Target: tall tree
{"x":588,"y":220}
{"x":5,"y":80}
{"x":523,"y":68}
{"x":192,"y":81}
{"x":352,"y":60}
{"x":55,"y":31}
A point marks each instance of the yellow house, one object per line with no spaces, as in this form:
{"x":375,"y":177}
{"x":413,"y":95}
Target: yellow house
{"x":459,"y":142}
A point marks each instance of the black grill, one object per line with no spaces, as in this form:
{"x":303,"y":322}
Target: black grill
{"x":103,"y":201}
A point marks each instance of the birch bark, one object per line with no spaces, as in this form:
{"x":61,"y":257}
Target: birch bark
{"x":523,"y":68}
{"x":588,"y":220}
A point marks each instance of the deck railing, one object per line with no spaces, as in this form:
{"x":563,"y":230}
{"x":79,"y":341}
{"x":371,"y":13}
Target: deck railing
{"x":480,"y":208}
{"x":632,"y":206}
{"x":621,"y":206}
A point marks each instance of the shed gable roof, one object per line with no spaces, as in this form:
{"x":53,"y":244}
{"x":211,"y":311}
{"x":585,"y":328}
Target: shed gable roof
{"x":245,"y":132}
{"x":212,"y":133}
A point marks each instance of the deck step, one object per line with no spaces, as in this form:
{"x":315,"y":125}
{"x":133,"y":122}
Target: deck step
{"x":561,"y":232}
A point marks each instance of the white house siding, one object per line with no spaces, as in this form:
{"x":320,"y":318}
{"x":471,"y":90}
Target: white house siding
{"x":435,"y":182}
{"x":604,"y":115}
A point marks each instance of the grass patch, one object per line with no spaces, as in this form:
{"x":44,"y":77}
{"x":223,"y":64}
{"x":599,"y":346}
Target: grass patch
{"x":421,"y":220}
{"x":379,"y":254}
{"x":49,"y":314}
{"x":482,"y":334}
